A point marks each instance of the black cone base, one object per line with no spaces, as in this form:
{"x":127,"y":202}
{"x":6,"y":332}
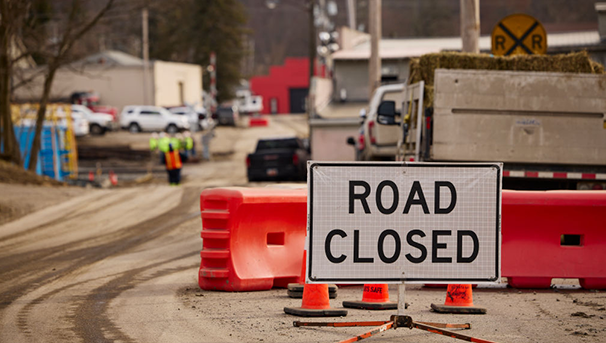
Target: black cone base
{"x":303,"y":312}
{"x":295,"y":290}
{"x":365,"y":305}
{"x":458,"y":309}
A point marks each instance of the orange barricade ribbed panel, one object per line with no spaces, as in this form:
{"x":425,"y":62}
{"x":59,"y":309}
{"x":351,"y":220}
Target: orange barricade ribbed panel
{"x":252,"y":238}
{"x":554,"y":234}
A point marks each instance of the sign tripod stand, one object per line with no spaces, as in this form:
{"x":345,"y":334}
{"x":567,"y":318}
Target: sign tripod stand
{"x":399,"y":321}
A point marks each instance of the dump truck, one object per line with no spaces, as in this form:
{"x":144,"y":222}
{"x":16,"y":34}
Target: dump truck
{"x":549,"y":128}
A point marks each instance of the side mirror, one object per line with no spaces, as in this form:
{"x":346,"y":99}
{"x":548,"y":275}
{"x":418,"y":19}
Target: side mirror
{"x":363,"y":114}
{"x":351,"y":141}
{"x":386,"y":113}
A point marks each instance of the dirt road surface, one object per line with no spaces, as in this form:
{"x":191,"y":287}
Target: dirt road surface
{"x":120,"y":265}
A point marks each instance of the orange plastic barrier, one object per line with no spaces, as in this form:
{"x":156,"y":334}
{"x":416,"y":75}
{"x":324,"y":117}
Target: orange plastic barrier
{"x":252,"y":238}
{"x":554,"y":234}
{"x":258,"y":121}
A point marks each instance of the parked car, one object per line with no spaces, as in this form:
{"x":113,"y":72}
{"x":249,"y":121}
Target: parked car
{"x":91,"y":100}
{"x":249,"y":103}
{"x":227,"y":115}
{"x":196,"y":117}
{"x":278,"y":159}
{"x":98,"y":123}
{"x":152,"y":118}
{"x":206,"y":121}
{"x":80,"y":125}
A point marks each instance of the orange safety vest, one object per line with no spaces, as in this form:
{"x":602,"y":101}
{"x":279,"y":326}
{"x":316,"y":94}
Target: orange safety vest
{"x":173,"y":160}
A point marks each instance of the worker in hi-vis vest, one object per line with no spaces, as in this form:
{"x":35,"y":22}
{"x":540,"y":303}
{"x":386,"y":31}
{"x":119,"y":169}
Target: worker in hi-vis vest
{"x":173,"y":165}
{"x":175,"y":141}
{"x":189,"y":144}
{"x":153,"y":142}
{"x":163,"y":143}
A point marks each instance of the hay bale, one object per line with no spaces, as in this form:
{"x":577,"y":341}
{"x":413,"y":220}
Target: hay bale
{"x":423,"y":68}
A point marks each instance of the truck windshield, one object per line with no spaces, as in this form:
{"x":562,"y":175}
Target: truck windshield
{"x":289,"y":143}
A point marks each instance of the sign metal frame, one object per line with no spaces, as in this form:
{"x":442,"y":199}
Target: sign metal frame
{"x":310,"y":222}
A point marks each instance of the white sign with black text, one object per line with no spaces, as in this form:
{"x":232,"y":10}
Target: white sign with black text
{"x":390,"y":222}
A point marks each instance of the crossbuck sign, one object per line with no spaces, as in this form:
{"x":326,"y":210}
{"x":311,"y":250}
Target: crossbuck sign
{"x":393,"y":222}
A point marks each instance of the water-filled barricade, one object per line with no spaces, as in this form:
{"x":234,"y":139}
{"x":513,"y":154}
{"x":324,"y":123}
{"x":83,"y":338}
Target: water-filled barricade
{"x":554,"y":234}
{"x":252,"y":238}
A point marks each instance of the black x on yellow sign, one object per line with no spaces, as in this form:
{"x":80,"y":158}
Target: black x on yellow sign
{"x":519,"y":34}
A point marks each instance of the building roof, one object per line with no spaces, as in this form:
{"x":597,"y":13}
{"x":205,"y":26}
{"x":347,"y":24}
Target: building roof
{"x":340,"y":110}
{"x":415,"y":47}
{"x":112,"y":58}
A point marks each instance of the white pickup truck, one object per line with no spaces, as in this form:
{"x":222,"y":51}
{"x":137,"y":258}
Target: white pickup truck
{"x":377,"y":142}
{"x":248,"y":103}
{"x":99,"y":123}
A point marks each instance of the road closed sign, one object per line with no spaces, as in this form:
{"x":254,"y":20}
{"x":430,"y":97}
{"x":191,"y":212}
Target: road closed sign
{"x":392,"y":222}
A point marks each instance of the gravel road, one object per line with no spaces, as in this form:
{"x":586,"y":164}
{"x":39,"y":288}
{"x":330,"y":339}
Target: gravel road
{"x":120,"y":265}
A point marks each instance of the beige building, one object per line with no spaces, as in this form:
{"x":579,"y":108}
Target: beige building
{"x":119,"y":80}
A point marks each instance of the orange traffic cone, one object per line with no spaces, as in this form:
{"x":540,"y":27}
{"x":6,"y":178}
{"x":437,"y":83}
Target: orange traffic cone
{"x":113,"y":178}
{"x":295,"y":290}
{"x":459,"y":299}
{"x":374,"y":297}
{"x":315,"y":303}
{"x":315,"y":300}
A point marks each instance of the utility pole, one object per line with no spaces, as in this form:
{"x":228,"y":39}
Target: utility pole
{"x":144,"y":16}
{"x":312,"y":57}
{"x":312,"y":39}
{"x":351,"y":14}
{"x":374,"y":65}
{"x":470,"y":25}
{"x":213,"y":81}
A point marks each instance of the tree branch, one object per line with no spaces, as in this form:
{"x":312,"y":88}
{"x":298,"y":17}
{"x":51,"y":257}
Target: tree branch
{"x":85,"y":29}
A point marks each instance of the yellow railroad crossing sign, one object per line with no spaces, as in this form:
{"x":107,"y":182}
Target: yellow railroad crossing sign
{"x":519,"y":34}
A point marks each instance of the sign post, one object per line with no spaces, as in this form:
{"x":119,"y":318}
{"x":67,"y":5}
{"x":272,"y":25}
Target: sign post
{"x":519,"y":34}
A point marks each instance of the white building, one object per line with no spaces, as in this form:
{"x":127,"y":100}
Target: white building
{"x":118,"y":78}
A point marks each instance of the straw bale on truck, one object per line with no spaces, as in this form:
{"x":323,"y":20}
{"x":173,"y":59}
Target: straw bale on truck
{"x":543,"y":116}
{"x":423,"y":68}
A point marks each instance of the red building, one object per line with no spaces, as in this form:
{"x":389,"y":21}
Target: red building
{"x":286,"y":87}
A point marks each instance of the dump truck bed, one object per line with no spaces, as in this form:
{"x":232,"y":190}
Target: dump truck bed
{"x":519,"y":117}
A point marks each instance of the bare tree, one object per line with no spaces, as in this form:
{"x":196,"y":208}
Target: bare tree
{"x":47,"y":32}
{"x":12,"y":15}
{"x":75,"y":26}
